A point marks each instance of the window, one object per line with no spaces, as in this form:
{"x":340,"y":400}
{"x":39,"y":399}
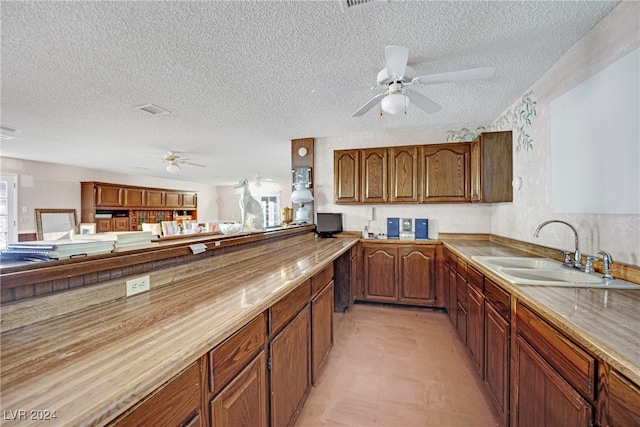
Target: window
{"x":271,"y":210}
{"x":8,"y":212}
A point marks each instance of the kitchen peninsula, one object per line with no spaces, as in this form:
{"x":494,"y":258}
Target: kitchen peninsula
{"x":90,"y":364}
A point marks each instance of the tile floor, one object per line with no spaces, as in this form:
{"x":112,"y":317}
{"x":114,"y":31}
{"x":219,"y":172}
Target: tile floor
{"x":397,"y":367}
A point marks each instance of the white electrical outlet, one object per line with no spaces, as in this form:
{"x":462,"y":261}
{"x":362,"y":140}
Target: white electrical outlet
{"x":138,"y":285}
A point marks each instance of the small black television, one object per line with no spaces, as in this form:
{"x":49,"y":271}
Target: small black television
{"x":327,"y":224}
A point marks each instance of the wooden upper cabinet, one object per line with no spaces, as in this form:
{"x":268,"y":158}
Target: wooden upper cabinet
{"x":374,"y":176}
{"x":404,"y":174}
{"x":108,"y":196}
{"x":134,"y":197}
{"x":155,"y":198}
{"x":492,"y":167}
{"x":189,"y":200}
{"x":445,"y":169}
{"x":346,"y":175}
{"x":173,"y":199}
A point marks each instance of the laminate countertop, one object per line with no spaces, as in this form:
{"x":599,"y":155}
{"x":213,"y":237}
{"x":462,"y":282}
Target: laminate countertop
{"x":604,"y":321}
{"x":92,"y":365}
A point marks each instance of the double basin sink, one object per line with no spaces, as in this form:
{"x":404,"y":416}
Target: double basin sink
{"x":547,"y":272}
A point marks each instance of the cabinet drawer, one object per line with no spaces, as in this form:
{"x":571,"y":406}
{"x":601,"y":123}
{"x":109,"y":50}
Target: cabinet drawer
{"x":230,"y":357}
{"x":576,"y":365}
{"x":498,"y":298}
{"x":475,"y":279}
{"x":461,"y":268}
{"x":285,"y":309}
{"x":322,"y":279}
{"x":176,"y":403}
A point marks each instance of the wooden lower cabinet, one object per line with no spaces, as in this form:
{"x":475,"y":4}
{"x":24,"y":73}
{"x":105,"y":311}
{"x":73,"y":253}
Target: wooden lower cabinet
{"x":321,"y":329}
{"x":243,"y":402}
{"x":542,"y":397}
{"x":178,"y":403}
{"x":496,"y":356}
{"x":399,"y":273}
{"x":380,"y":273}
{"x":452,"y":304}
{"x":290,"y":369}
{"x":621,"y":399}
{"x":475,"y":328}
{"x":554,"y":380}
{"x":417,"y":275}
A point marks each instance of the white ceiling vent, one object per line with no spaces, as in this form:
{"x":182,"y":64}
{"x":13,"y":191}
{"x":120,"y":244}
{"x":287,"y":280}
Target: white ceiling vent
{"x":153,"y":109}
{"x":350,"y":5}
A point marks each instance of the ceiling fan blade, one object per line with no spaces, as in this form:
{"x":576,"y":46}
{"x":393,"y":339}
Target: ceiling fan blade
{"x":369,"y":105}
{"x":396,"y":58}
{"x":423,"y":103}
{"x":455,"y":76}
{"x":342,"y":90}
{"x":194,"y":164}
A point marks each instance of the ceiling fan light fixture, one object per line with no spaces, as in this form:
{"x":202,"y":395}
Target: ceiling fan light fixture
{"x":395,"y":103}
{"x":173,"y":168}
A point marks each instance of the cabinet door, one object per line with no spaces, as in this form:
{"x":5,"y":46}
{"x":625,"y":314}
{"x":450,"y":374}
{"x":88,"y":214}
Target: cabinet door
{"x":462,"y":301}
{"x":120,"y":224}
{"x":173,"y":199}
{"x":356,"y":267}
{"x":452,"y":306}
{"x":155,"y":199}
{"x":623,"y":408}
{"x":417,"y":275}
{"x":346,"y":176}
{"x":445,"y":170}
{"x":108,"y":196}
{"x":189,"y":200}
{"x":103,"y":225}
{"x":541,"y":396}
{"x":244,"y":401}
{"x":404,"y":174}
{"x":134,"y":198}
{"x":374,"y":176}
{"x":475,"y":328}
{"x":178,"y":403}
{"x":497,"y":367}
{"x":380,"y":273}
{"x":321,"y":329}
{"x":290,"y":370}
{"x":491,"y":167}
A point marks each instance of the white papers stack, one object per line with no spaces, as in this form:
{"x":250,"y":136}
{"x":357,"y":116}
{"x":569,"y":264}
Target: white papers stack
{"x":122,"y":240}
{"x":58,"y":249}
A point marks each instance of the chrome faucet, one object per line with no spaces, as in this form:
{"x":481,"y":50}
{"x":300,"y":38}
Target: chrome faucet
{"x":577,"y":257}
{"x":607,"y":259}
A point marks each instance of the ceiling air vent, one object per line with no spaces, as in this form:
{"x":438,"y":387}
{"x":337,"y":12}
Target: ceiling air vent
{"x":350,"y":5}
{"x":152,"y":109}
{"x":6,"y":131}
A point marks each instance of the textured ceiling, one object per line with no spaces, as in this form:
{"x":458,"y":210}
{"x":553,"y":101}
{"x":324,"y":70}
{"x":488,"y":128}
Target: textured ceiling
{"x":237,"y":76}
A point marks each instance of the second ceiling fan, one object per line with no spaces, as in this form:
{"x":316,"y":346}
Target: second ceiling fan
{"x":397,"y":77}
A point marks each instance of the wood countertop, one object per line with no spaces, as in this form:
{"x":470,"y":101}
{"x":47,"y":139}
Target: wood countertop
{"x":92,"y":365}
{"x":604,"y":321}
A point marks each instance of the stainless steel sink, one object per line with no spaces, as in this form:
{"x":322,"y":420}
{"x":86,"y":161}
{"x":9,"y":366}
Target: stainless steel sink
{"x":547,"y":272}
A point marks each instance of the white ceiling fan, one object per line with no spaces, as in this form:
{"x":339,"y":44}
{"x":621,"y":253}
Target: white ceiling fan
{"x":396,"y":79}
{"x":173,"y":161}
{"x":259,"y":179}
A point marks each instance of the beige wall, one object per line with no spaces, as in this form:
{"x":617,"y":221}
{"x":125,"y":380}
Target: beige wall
{"x":615,"y":36}
{"x":47,"y":185}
